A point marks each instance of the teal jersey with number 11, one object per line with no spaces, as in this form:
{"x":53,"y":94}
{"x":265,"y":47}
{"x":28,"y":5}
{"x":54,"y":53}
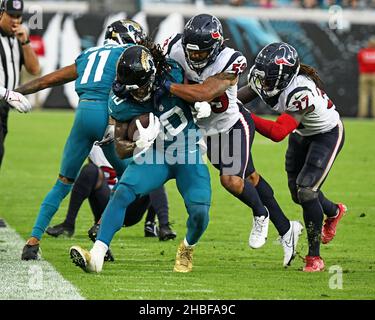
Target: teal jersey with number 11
{"x":96,"y":68}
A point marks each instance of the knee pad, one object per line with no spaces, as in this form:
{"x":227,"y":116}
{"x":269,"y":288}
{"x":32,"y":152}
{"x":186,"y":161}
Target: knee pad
{"x":232,"y":184}
{"x":306,"y":194}
{"x":89,"y":174}
{"x":293,"y":190}
{"x":198,"y":212}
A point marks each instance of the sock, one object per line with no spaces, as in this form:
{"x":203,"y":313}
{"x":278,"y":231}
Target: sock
{"x":159,"y":202}
{"x":114,"y":214}
{"x":277,"y":216}
{"x":197,"y":222}
{"x":313,"y":216}
{"x":49,"y":207}
{"x":329,"y":208}
{"x":251,"y":198}
{"x":187,"y":245}
{"x":82,"y":188}
{"x":99,"y":249}
{"x":150,"y":214}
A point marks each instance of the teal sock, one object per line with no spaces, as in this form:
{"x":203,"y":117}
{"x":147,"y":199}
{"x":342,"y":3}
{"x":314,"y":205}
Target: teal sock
{"x":197,"y":222}
{"x":49,"y":206}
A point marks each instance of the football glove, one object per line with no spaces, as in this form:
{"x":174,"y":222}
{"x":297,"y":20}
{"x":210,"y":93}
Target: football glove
{"x":147,"y":135}
{"x":109,"y":136}
{"x":203,"y":109}
{"x":17,"y":101}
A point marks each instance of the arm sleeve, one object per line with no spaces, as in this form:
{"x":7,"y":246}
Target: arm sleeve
{"x":275,"y":130}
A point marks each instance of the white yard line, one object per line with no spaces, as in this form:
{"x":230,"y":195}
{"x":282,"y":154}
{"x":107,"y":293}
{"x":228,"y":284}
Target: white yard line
{"x":29,"y":279}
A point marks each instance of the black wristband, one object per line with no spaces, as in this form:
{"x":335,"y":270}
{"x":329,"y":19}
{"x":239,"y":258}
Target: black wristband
{"x":26,"y":42}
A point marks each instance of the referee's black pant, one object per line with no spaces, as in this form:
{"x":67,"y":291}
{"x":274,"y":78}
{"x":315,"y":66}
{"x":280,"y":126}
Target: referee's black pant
{"x":4,"y":111}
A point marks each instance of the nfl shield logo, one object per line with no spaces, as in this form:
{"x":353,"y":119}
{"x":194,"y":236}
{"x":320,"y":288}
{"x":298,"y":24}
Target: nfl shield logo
{"x":17,"y":4}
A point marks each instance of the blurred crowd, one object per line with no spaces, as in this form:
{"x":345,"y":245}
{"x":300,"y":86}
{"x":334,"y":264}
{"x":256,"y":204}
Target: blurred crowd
{"x":309,"y":4}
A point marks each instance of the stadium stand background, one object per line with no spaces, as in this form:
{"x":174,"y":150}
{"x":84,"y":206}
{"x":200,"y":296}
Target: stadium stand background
{"x":327,"y":37}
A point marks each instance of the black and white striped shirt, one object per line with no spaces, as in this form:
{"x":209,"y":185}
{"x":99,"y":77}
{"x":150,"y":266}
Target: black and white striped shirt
{"x":11,"y":61}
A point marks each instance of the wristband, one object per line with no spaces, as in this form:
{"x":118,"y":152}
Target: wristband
{"x":25,"y":42}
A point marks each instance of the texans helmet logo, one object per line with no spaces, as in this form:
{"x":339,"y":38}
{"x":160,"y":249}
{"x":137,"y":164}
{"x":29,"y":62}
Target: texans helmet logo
{"x":215,"y":35}
{"x":287,"y":57}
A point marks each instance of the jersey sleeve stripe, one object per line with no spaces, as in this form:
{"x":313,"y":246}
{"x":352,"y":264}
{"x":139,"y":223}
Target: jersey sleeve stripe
{"x":232,"y":59}
{"x":172,"y":43}
{"x":294,"y":91}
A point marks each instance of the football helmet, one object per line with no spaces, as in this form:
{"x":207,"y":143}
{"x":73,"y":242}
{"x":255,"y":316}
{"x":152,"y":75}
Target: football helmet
{"x":135,"y":74}
{"x":276,"y":65}
{"x":125,"y":31}
{"x":202,"y":40}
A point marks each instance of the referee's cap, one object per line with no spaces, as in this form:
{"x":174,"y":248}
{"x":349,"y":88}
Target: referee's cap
{"x":13,"y":6}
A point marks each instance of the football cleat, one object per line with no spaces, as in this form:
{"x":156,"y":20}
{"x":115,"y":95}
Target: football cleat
{"x":31,"y":252}
{"x":289,"y":242}
{"x":184,"y":259}
{"x":330,"y":224}
{"x":259,"y":232}
{"x":109,"y":256}
{"x":151,"y":230}
{"x":83,"y":259}
{"x":313,"y":264}
{"x":60,"y":229}
{"x":92,"y":233}
{"x":166,"y":233}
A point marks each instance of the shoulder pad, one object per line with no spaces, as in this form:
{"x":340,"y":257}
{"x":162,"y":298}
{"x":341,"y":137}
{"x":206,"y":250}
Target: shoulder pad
{"x":237,"y":63}
{"x":299,"y":99}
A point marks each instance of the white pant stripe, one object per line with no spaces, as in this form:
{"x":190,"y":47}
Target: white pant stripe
{"x":247,"y":134}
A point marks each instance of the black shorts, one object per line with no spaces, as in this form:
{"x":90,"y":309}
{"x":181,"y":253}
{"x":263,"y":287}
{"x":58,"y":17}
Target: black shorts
{"x":309,"y":159}
{"x":230,"y":152}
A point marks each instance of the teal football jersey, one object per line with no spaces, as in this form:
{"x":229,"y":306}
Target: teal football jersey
{"x":96,"y":68}
{"x":174,"y":113}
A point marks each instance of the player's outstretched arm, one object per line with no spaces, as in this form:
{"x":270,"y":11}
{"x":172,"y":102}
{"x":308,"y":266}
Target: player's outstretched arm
{"x":56,"y":78}
{"x":208,"y":90}
{"x":276,"y":130}
{"x":16,"y":100}
{"x":124,"y":147}
{"x":245,"y":94}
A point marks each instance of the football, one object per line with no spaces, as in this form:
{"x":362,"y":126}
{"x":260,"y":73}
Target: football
{"x":132,"y":128}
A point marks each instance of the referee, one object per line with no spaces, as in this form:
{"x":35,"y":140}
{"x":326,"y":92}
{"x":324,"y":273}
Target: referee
{"x":15,"y":51}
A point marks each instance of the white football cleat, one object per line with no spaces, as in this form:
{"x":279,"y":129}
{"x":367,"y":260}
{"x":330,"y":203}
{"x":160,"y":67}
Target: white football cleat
{"x":259,"y":232}
{"x":289,"y":242}
{"x":85,"y":260}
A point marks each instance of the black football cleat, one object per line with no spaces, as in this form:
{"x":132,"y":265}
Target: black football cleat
{"x":93,"y":232}
{"x":60,"y":229}
{"x":109,"y":256}
{"x":166,"y":233}
{"x":2,"y":224}
{"x":30,"y":252}
{"x":151,"y":230}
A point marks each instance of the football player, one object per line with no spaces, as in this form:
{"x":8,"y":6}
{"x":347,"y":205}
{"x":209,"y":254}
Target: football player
{"x":95,"y":181}
{"x":173,"y":156}
{"x":93,"y":71}
{"x":316,"y":136}
{"x":215,"y":69}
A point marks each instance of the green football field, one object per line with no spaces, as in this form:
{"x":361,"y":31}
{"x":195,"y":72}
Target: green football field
{"x":224,"y":266}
